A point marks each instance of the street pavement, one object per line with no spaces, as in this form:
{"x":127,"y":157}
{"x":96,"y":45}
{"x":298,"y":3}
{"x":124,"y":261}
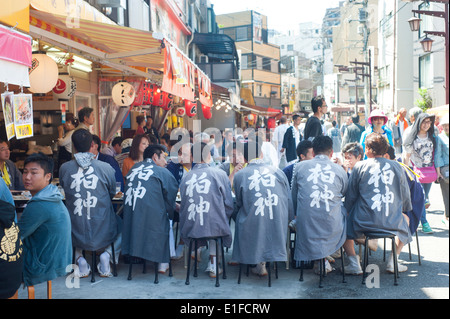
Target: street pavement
{"x":430,"y":280}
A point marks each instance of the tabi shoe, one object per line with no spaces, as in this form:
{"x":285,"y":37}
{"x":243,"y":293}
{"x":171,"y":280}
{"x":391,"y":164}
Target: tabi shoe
{"x":260,"y":269}
{"x":390,"y":265}
{"x":163,"y":267}
{"x":426,"y":229}
{"x":83,"y":270}
{"x":103,"y":267}
{"x":354,"y":266}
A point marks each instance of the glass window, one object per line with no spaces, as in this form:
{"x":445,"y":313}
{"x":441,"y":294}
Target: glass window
{"x":425,"y":72}
{"x":241,"y":34}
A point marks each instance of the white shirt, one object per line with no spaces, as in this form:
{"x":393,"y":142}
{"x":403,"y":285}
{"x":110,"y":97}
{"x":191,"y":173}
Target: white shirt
{"x":278,"y":136}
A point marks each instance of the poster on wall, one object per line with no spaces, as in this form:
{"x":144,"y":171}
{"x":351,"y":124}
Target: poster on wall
{"x":8,"y":109}
{"x":23,"y":115}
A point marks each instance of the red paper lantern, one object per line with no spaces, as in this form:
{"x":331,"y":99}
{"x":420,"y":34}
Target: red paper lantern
{"x":163,"y":99}
{"x":206,"y":112}
{"x":271,"y":123}
{"x":191,"y":108}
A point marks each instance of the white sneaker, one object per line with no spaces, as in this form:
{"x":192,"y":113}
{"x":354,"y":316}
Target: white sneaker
{"x":354,"y":266}
{"x":260,"y":269}
{"x":328,"y":267}
{"x":163,"y":267}
{"x":390,"y":265}
{"x":211,"y":268}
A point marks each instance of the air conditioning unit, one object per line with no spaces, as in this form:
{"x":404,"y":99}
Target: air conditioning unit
{"x":204,"y":59}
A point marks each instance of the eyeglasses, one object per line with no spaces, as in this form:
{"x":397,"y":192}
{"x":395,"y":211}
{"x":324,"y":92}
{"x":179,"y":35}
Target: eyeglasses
{"x":426,"y":122}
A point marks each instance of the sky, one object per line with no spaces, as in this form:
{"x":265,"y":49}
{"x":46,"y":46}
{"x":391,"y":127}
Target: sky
{"x":281,"y":15}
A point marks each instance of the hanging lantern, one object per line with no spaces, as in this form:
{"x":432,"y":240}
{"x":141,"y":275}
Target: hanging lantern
{"x":206,"y":112}
{"x":251,"y":117}
{"x":190,"y":107}
{"x":43,"y":73}
{"x":180,"y":120}
{"x":65,"y":87}
{"x":123,"y":94}
{"x":246,"y":118}
{"x":167,"y":101}
{"x":180,"y":111}
{"x":271,"y":123}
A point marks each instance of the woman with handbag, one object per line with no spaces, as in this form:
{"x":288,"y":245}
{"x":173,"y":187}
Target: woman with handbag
{"x":420,"y":147}
{"x":442,"y":161}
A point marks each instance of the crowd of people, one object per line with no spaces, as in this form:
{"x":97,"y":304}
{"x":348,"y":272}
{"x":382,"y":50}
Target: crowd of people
{"x":327,"y":184}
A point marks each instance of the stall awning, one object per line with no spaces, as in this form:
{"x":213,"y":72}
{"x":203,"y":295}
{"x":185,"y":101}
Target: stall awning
{"x":132,"y":51}
{"x":15,"y":57}
{"x":260,"y":110}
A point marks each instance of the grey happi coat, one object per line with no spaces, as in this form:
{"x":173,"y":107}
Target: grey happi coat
{"x":89,"y":186}
{"x":149,"y":203}
{"x":318,"y":189}
{"x":206,"y":204}
{"x":377,"y":196}
{"x":265,"y":208}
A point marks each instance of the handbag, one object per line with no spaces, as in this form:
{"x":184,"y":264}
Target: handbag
{"x":426,"y":174}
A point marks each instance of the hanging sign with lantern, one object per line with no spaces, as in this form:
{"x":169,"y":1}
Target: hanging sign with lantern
{"x":145,"y":94}
{"x":43,"y":73}
{"x":123,"y":94}
{"x":180,"y":111}
{"x":65,"y":87}
{"x":190,"y":107}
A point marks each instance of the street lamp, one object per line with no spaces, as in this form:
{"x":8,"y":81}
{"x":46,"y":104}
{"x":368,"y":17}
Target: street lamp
{"x":427,"y":43}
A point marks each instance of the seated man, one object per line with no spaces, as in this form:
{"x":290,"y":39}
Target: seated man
{"x":183,"y":163}
{"x":149,"y":200}
{"x":236,"y":161}
{"x":377,"y":196}
{"x":11,"y":247}
{"x":115,"y":148}
{"x":264,"y":208}
{"x":89,"y":186}
{"x":95,"y":149}
{"x":206,"y":203}
{"x":8,"y":170}
{"x":44,"y":225}
{"x":304,"y":152}
{"x":318,"y":187}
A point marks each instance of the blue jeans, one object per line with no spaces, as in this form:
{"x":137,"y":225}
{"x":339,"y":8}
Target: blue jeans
{"x":426,"y":189}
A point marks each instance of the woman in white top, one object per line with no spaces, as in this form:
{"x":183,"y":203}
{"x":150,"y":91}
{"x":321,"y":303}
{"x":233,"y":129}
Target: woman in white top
{"x":65,"y":131}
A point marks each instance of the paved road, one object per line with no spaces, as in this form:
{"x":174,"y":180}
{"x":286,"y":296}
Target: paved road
{"x":427,"y":281}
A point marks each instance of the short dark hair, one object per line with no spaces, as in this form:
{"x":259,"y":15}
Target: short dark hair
{"x":355,"y":118}
{"x":45,"y":162}
{"x":152,"y":138}
{"x":82,"y":140}
{"x":252,"y":149}
{"x":204,"y":150}
{"x":117,"y":140}
{"x":316,"y":102}
{"x":322,"y":145}
{"x":353,"y":148}
{"x":377,"y":143}
{"x":140,"y":119}
{"x":153,"y":149}
{"x":166,"y":137}
{"x":391,"y":152}
{"x":97,"y":141}
{"x":296,"y":116}
{"x":303,"y":147}
{"x":84,"y":112}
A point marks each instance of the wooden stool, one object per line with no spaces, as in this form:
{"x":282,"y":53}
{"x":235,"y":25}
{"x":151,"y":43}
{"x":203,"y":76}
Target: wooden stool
{"x":31,"y":294}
